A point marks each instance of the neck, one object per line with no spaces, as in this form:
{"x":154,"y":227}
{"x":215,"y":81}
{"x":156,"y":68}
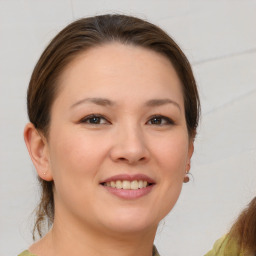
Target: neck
{"x":69,"y":238}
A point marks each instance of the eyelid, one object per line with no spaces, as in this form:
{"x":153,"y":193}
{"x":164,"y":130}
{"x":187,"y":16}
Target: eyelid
{"x":86,"y":118}
{"x":168,"y":120}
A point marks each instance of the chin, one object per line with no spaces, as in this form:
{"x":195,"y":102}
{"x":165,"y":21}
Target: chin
{"x":131,"y":222}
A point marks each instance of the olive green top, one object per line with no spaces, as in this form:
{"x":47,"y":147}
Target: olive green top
{"x":27,"y":253}
{"x":220,"y":248}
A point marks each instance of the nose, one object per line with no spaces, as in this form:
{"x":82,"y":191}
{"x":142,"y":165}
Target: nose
{"x":129,"y":146}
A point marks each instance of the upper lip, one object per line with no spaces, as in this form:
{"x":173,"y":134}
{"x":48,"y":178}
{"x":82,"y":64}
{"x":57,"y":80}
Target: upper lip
{"x":129,"y":177}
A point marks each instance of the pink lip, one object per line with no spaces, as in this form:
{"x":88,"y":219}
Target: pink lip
{"x":129,"y":194}
{"x":129,"y":178}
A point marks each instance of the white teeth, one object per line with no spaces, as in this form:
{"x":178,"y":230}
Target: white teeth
{"x":141,"y":183}
{"x":119,"y":184}
{"x":134,"y":184}
{"x":126,"y":184}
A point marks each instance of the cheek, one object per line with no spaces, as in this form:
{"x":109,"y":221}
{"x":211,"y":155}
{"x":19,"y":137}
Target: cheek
{"x":172,"y":152}
{"x":75,"y":160}
{"x":74,"y":156}
{"x":73,"y":146}
{"x":172,"y":156}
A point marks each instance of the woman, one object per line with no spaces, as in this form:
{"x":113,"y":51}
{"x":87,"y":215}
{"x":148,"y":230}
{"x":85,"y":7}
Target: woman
{"x":241,"y":240}
{"x":113,"y":109}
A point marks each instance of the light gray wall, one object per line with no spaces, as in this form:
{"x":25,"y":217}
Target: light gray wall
{"x":219,"y":38}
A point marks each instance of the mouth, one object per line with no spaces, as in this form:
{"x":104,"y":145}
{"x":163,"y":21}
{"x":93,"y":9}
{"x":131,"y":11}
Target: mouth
{"x":126,"y":184}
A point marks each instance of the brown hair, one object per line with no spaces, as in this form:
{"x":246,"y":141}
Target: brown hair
{"x":78,"y":37}
{"x":243,"y":232}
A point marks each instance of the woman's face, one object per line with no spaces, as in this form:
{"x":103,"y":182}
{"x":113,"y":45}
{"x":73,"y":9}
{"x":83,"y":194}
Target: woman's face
{"x":118,"y":145}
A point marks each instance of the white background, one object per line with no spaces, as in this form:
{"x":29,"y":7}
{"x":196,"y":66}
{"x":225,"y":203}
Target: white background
{"x":219,"y":38}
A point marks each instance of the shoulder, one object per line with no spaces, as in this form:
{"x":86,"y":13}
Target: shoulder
{"x":26,"y":253}
{"x":224,"y":247}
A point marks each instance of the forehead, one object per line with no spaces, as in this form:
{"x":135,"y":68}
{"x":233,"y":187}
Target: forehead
{"x":115,"y":67}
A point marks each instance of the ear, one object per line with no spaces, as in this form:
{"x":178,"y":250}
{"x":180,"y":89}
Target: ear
{"x":190,"y":153}
{"x":38,"y":150}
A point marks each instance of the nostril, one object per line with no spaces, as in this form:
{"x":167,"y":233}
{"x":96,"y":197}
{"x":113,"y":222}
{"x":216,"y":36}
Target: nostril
{"x":131,"y":160}
{"x":122,"y":159}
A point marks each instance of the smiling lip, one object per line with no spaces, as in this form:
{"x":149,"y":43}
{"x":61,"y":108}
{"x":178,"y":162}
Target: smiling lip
{"x":129,"y":194}
{"x":129,"y":178}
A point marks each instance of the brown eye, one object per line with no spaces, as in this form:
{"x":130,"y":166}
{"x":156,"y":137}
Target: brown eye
{"x":160,"y":120}
{"x":95,"y":120}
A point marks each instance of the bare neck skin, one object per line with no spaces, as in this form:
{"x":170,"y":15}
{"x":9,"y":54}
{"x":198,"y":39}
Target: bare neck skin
{"x":69,"y":238}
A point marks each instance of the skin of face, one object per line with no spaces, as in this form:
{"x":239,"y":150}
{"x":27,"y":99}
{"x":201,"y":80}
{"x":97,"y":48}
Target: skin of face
{"x":119,"y":110}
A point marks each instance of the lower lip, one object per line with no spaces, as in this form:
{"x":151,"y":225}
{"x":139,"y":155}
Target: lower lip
{"x":129,"y":194}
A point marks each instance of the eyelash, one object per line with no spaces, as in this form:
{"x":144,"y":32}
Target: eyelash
{"x":167,"y":120}
{"x":94,"y":117}
{"x":97,"y":118}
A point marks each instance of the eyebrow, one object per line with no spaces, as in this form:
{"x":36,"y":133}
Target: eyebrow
{"x":107,"y":102}
{"x":97,"y":101}
{"x":160,"y":102}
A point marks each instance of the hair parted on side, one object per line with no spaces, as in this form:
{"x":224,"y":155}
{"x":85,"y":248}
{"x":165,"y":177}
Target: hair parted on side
{"x":78,"y":37}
